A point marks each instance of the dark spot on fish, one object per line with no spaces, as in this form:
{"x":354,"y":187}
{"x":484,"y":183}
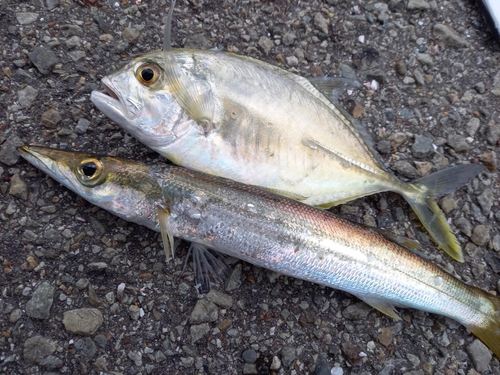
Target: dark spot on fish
{"x":297,"y":249}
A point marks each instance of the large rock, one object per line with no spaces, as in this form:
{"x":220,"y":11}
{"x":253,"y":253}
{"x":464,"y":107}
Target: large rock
{"x":82,"y":321}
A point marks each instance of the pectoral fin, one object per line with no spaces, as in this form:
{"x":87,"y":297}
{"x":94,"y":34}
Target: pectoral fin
{"x":206,"y":265}
{"x":381,"y":305}
{"x":166,"y":231}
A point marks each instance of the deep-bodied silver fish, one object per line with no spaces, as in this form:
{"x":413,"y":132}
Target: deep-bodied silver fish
{"x":274,"y":232}
{"x":241,"y":118}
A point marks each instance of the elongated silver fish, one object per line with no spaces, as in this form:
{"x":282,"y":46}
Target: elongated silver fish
{"x":274,"y":232}
{"x":243,"y":119}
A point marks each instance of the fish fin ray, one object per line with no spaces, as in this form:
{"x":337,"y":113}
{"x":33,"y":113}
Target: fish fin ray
{"x":332,"y":87}
{"x":381,"y":305}
{"x":428,"y":211}
{"x":167,"y":41}
{"x":166,"y":231}
{"x":207,"y":265}
{"x":489,"y":333}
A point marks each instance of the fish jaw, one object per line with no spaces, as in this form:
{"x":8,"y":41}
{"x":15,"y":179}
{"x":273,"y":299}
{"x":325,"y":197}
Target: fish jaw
{"x":125,"y":188}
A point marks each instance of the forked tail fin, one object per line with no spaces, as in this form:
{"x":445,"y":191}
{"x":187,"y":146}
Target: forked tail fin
{"x":425,"y":206}
{"x":489,"y":332}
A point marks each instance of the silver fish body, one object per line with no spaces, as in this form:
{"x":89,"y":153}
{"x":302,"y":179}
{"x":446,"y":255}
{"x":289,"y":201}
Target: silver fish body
{"x":243,"y":119}
{"x":276,"y":233}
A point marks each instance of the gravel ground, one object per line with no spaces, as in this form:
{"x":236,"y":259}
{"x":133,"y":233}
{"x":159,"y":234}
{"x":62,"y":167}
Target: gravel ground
{"x":85,"y":292}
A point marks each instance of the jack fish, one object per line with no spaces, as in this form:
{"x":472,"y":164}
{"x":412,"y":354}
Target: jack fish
{"x":274,"y":232}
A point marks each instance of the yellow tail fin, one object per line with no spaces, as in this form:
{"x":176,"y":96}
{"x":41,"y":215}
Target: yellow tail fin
{"x":489,"y":332}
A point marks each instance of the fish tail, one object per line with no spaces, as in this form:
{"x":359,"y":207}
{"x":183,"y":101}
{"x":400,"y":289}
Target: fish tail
{"x":489,"y":331}
{"x":423,"y":202}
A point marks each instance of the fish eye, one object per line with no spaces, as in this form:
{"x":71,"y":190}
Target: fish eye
{"x":89,"y":172}
{"x":148,"y":74}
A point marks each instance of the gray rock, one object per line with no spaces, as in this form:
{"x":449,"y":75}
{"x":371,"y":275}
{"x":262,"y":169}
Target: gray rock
{"x":15,"y":315}
{"x":130,"y":34}
{"x":406,"y":169}
{"x":37,"y":348}
{"x":38,"y":307}
{"x":448,"y":204}
{"x":51,"y":362}
{"x":250,"y":369}
{"x":458,"y":143}
{"x":26,"y":96}
{"x":136,"y":357}
{"x":198,"y":40}
{"x":493,"y":134}
{"x":288,"y":354}
{"x":266,"y":44}
{"x":73,"y":42}
{"x":414,"y":360}
{"x":25,"y":18}
{"x":418,"y":5}
{"x":480,"y":355}
{"x":493,"y":261}
{"x":486,"y":200}
{"x":448,"y":36}
{"x":321,"y":23}
{"x":18,"y":188}
{"x":51,"y":118}
{"x":234,"y":280}
{"x":419,"y":77}
{"x":347,"y":72}
{"x":220,"y":299}
{"x":425,"y":59}
{"x":249,"y":356}
{"x":71,"y":30}
{"x":480,"y":88}
{"x":495,"y":87}
{"x":480,"y":235}
{"x":76,"y":55}
{"x":85,"y":348}
{"x":496,"y":242}
{"x":289,"y":39}
{"x":204,"y":311}
{"x":44,"y":59}
{"x":84,"y":321}
{"x":276,"y":363}
{"x":464,"y":225}
{"x":356,"y":311}
{"x":199,"y":331}
{"x":472,"y":126}
{"x":322,"y":368}
{"x":134,"y":311}
{"x":52,"y":4}
{"x":292,"y":61}
{"x":422,"y":147}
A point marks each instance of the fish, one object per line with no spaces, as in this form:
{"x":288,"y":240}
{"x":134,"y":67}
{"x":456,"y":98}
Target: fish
{"x":274,"y":232}
{"x":244,"y":119}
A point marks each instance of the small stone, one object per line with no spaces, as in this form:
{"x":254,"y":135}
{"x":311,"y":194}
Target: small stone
{"x":385,"y":337}
{"x":493,"y":261}
{"x":480,"y":355}
{"x":448,"y":204}
{"x":130,"y":34}
{"x":51,"y":362}
{"x":489,"y":159}
{"x":425,"y":59}
{"x":448,"y":36}
{"x":51,"y":118}
{"x":26,"y":96}
{"x":458,"y":143}
{"x":249,"y":356}
{"x":419,"y":77}
{"x":234,"y":280}
{"x":472,"y":126}
{"x":495,"y":87}
{"x":275,"y":364}
{"x":464,"y":225}
{"x":401,"y":68}
{"x":496,"y":242}
{"x":52,"y":4}
{"x":321,"y":23}
{"x":266,"y":44}
{"x":423,"y":167}
{"x":73,"y":42}
{"x":414,"y":360}
{"x":322,"y":368}
{"x":136,"y":357}
{"x":71,"y":30}
{"x":358,"y":111}
{"x":289,"y":39}
{"x":384,"y":146}
{"x":76,"y":55}
{"x":37,"y":348}
{"x":408,"y":80}
{"x":8,"y":153}
{"x":82,"y":283}
{"x":15,"y":315}
{"x":486,"y":200}
{"x":204,"y":311}
{"x":85,"y":348}
{"x":288,"y":354}
{"x":38,"y":307}
{"x":198,"y":40}
{"x":25,"y":18}
{"x":83,"y":322}
{"x":82,"y":126}
{"x":44,"y":59}
{"x":422,"y":147}
{"x":493,"y":134}
{"x":134,"y":311}
{"x":249,"y":369}
{"x":351,"y":352}
{"x":480,"y":235}
{"x":220,"y":299}
{"x":292,"y":61}
{"x":418,"y":5}
{"x":346,"y":71}
{"x":18,"y":188}
{"x":480,"y":88}
{"x":199,"y":331}
{"x":356,"y":311}
{"x":405,"y":168}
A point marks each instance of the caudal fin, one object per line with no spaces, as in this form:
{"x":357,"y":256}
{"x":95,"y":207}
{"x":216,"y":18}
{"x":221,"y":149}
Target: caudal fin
{"x":428,"y":211}
{"x":489,"y":331}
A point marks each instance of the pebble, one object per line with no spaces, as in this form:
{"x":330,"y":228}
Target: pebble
{"x":351,"y":352}
{"x":250,"y":368}
{"x":266,"y":44}
{"x":356,"y":311}
{"x":86,"y":348}
{"x":26,"y":96}
{"x":464,"y":225}
{"x":51,"y":118}
{"x":448,"y":36}
{"x":198,"y":331}
{"x":292,"y":61}
{"x":71,"y":30}
{"x":83,"y":322}
{"x":496,"y":242}
{"x":486,"y":200}
{"x":414,"y":360}
{"x":321,"y":23}
{"x":275,"y":364}
{"x":385,"y":336}
{"x":418,"y":5}
{"x":322,"y":368}
{"x":234,"y":280}
{"x":136,"y":357}
{"x":38,"y":307}
{"x":419,"y":77}
{"x":425,"y":59}
{"x":44,"y":59}
{"x":406,"y":169}
{"x":422,"y":147}
{"x":480,"y":355}
{"x":51,"y":362}
{"x":220,"y":299}
{"x":384,"y":146}
{"x":472,"y":126}
{"x":288,"y":354}
{"x":495,"y":86}
{"x":130,"y":34}
{"x":82,"y":126}
{"x":448,"y":204}
{"x":489,"y":159}
{"x":423,"y":167}
{"x":493,"y":134}
{"x":249,"y":356}
{"x":15,"y":315}
{"x":25,"y":18}
{"x":18,"y":187}
{"x":458,"y":143}
{"x":76,"y":55}
{"x":480,"y":235}
{"x":204,"y":311}
{"x":493,"y":261}
{"x":37,"y":348}
{"x":289,"y":39}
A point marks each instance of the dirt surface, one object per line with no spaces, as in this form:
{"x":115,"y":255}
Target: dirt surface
{"x":430,"y":100}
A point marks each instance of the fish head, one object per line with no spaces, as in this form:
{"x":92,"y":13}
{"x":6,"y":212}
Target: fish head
{"x":137,"y":97}
{"x":126,"y":188}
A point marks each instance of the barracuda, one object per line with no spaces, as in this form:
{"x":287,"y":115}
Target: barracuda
{"x":240,"y":118}
{"x":274,"y":232}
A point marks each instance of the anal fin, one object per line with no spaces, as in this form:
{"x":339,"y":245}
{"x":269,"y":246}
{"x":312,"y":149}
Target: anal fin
{"x":206,"y":265}
{"x":381,"y":305}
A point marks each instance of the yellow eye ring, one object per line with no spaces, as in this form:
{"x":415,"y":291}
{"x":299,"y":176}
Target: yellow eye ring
{"x":148,"y":74}
{"x":90,"y":172}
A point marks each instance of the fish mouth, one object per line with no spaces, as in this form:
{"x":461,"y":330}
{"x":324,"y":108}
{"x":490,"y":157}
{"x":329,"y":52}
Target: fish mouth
{"x":109,"y":102}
